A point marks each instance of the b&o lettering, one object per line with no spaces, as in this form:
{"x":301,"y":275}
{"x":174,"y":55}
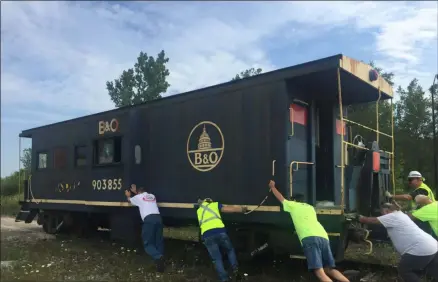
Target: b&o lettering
{"x":105,"y":126}
{"x":213,"y":157}
{"x":206,"y":158}
{"x":198,"y":159}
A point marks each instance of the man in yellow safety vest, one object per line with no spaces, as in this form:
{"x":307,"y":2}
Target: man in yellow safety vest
{"x":420,"y":188}
{"x":313,"y":238}
{"x":214,"y":234}
{"x":427,"y":212}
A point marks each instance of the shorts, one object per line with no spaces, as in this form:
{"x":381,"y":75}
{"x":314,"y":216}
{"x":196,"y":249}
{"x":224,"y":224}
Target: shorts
{"x":318,"y":253}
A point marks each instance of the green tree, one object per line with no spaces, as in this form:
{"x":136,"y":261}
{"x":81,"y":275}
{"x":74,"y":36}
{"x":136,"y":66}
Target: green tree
{"x":145,"y":82}
{"x":26,"y":159}
{"x":413,"y":123}
{"x":247,"y":73}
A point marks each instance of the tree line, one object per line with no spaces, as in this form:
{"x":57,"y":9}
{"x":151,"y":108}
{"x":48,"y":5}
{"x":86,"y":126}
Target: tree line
{"x":147,"y":81}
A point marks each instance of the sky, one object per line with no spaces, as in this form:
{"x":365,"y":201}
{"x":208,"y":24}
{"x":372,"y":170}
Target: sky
{"x":56,"y":56}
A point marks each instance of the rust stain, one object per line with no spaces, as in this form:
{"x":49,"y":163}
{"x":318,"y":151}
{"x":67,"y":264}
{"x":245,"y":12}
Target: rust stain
{"x":354,"y":66}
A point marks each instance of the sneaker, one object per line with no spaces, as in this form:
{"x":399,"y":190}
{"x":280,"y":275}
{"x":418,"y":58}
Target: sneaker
{"x":160,"y":264}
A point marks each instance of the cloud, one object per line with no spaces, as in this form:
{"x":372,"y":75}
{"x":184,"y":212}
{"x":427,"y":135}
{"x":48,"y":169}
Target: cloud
{"x":57,"y":56}
{"x":69,"y":50}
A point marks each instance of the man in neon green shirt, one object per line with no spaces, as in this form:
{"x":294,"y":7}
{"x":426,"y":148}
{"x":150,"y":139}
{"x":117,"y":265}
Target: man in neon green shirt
{"x":313,"y":238}
{"x":428,"y":212}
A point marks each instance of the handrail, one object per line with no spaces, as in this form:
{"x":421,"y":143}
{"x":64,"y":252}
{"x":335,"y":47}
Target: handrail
{"x":291,"y":114}
{"x":341,"y":115}
{"x":290,"y":172}
{"x":392,"y":145}
{"x":368,"y":128}
{"x":377,"y":116}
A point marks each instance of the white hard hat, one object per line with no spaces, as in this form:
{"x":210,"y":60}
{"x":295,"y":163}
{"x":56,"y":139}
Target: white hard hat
{"x":414,"y":174}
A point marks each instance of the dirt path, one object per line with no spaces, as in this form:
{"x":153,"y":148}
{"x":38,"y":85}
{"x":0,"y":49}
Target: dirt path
{"x":19,"y":230}
{"x":28,"y":253}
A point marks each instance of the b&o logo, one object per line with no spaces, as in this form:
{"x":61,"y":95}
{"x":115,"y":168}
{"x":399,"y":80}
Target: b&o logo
{"x":205,"y":146}
{"x":111,"y":126}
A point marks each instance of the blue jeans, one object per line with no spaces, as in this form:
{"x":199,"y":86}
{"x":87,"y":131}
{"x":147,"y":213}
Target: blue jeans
{"x":213,"y":244}
{"x":318,"y":253}
{"x":152,"y":235}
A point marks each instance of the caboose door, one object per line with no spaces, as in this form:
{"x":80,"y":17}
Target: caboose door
{"x":299,"y":152}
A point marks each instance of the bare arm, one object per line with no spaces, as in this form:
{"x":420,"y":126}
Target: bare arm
{"x":369,"y":220}
{"x":277,"y":194}
{"x":403,"y":197}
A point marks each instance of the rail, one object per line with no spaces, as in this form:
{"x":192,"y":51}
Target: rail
{"x":297,"y":163}
{"x":344,"y":143}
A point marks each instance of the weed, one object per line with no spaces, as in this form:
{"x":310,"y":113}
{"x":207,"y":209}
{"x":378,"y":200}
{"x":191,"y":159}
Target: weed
{"x":10,"y":205}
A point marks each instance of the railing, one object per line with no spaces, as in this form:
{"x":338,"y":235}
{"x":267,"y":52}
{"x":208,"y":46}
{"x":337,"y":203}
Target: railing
{"x":378,"y":133}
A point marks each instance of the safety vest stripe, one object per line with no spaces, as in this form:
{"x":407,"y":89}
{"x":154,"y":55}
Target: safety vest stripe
{"x":205,"y":209}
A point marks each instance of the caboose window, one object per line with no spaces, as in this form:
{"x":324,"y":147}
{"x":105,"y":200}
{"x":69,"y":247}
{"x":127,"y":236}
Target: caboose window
{"x":60,"y":158}
{"x":108,"y":151}
{"x":42,"y":160}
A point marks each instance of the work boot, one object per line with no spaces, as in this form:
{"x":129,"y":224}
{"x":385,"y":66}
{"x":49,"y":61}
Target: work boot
{"x":160,"y":264}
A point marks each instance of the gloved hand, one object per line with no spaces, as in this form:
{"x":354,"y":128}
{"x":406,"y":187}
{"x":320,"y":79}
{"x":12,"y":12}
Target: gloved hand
{"x":353,"y":217}
{"x":387,"y":194}
{"x":244,"y":209}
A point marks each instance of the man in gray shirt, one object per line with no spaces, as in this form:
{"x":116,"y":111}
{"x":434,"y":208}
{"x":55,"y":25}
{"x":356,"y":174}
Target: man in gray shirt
{"x":418,"y":250}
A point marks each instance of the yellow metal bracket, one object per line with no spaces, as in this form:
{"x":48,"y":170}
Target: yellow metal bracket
{"x":370,"y":244}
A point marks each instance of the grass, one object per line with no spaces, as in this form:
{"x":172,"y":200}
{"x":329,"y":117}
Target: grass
{"x":10,"y":205}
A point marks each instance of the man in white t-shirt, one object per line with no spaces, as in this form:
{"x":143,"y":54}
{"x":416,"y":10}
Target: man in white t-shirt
{"x":418,"y":250}
{"x":152,"y":230}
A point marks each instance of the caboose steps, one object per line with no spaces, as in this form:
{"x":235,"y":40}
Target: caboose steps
{"x":26,"y":214}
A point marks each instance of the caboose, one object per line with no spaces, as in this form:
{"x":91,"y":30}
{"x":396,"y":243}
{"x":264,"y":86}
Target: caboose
{"x":224,"y":142}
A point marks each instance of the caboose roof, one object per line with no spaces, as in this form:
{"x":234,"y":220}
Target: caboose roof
{"x":318,"y":79}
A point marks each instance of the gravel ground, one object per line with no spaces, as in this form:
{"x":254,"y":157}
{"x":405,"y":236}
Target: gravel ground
{"x":27,"y":253}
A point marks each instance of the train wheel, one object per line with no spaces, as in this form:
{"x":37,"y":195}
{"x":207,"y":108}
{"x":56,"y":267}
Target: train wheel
{"x":49,"y":224}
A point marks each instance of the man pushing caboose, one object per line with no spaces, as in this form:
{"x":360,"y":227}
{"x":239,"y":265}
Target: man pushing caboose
{"x":313,"y":238}
{"x":418,"y":250}
{"x":214,"y":234}
{"x":152,"y":229}
{"x":416,"y":182}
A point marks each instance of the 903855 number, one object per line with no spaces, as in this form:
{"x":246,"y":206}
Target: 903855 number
{"x":107,"y":184}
